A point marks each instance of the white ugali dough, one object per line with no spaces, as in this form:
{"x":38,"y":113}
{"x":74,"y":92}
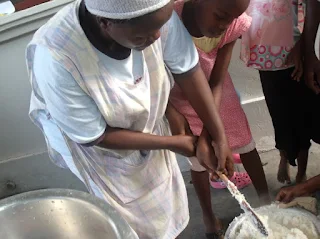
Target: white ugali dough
{"x":281,"y":224}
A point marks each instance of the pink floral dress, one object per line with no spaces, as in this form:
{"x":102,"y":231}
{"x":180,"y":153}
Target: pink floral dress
{"x":263,"y":48}
{"x":234,"y":119}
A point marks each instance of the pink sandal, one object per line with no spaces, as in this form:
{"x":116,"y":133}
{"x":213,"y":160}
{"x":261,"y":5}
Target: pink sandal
{"x":236,"y":159}
{"x":241,"y":180}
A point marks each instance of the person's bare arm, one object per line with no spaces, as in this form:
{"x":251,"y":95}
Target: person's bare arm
{"x":122,"y":139}
{"x":220,"y":71}
{"x":197,"y":90}
{"x":312,"y":63}
{"x":311,"y":25}
{"x":217,"y":78}
{"x":178,"y":123}
{"x":310,"y":186}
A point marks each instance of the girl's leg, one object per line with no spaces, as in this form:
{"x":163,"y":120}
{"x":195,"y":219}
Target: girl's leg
{"x":252,"y":163}
{"x":201,"y":185}
{"x":309,"y":130}
{"x":200,"y":180}
{"x":302,"y":166}
{"x":283,"y":175}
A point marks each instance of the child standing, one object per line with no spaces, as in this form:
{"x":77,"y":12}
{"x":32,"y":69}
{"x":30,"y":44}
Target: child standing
{"x":215,"y":26}
{"x":272,"y":45}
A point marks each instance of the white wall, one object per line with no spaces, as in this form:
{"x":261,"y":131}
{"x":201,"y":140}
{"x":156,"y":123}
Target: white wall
{"x":24,"y":162}
{"x":19,"y":137}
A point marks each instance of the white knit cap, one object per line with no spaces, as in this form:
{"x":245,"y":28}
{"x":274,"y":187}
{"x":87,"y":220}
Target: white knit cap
{"x":123,"y":9}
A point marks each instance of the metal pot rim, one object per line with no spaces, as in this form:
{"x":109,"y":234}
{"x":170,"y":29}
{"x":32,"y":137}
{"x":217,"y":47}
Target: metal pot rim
{"x":122,"y":227}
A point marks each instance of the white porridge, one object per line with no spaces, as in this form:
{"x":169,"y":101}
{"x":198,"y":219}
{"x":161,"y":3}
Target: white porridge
{"x":280,"y":223}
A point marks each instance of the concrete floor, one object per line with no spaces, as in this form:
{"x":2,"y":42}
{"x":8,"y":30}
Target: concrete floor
{"x":38,"y":172}
{"x":226,"y":208}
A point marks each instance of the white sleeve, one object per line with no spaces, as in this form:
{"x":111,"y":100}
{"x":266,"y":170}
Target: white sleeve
{"x":72,"y":109}
{"x":179,"y":52}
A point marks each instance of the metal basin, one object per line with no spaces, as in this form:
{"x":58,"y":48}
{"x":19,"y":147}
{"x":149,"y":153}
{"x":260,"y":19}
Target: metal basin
{"x":236,"y":223}
{"x":60,"y":214}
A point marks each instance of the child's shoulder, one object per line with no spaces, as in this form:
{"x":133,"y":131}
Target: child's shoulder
{"x":239,"y":26}
{"x":178,"y":6}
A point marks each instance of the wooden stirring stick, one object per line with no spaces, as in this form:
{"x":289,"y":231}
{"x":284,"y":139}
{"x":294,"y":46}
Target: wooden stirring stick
{"x":243,"y":203}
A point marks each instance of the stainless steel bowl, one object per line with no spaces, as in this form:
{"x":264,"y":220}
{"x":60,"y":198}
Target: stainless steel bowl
{"x":60,"y":214}
{"x":236,"y":223}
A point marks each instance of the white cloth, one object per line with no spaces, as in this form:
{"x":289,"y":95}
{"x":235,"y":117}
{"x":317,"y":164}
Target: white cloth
{"x":146,"y":187}
{"x":123,"y":9}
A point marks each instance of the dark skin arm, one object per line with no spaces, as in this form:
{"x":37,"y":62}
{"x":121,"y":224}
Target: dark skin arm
{"x":307,"y":188}
{"x":123,"y":139}
{"x":312,"y":64}
{"x":312,"y":22}
{"x":197,"y":90}
{"x":217,"y":77}
{"x":295,"y":58}
{"x":220,"y":71}
{"x":178,"y":123}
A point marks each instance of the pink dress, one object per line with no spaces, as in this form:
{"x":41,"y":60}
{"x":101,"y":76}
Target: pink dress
{"x":234,"y":119}
{"x":263,"y":48}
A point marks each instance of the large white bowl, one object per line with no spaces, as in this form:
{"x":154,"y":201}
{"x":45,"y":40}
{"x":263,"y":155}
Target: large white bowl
{"x":239,"y":220}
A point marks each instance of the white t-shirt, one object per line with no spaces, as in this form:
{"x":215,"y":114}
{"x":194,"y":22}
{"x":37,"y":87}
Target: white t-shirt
{"x":74,"y":111}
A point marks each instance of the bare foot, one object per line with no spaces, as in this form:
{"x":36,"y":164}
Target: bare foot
{"x":302,"y":166}
{"x":283,"y":172}
{"x":213,"y":225}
